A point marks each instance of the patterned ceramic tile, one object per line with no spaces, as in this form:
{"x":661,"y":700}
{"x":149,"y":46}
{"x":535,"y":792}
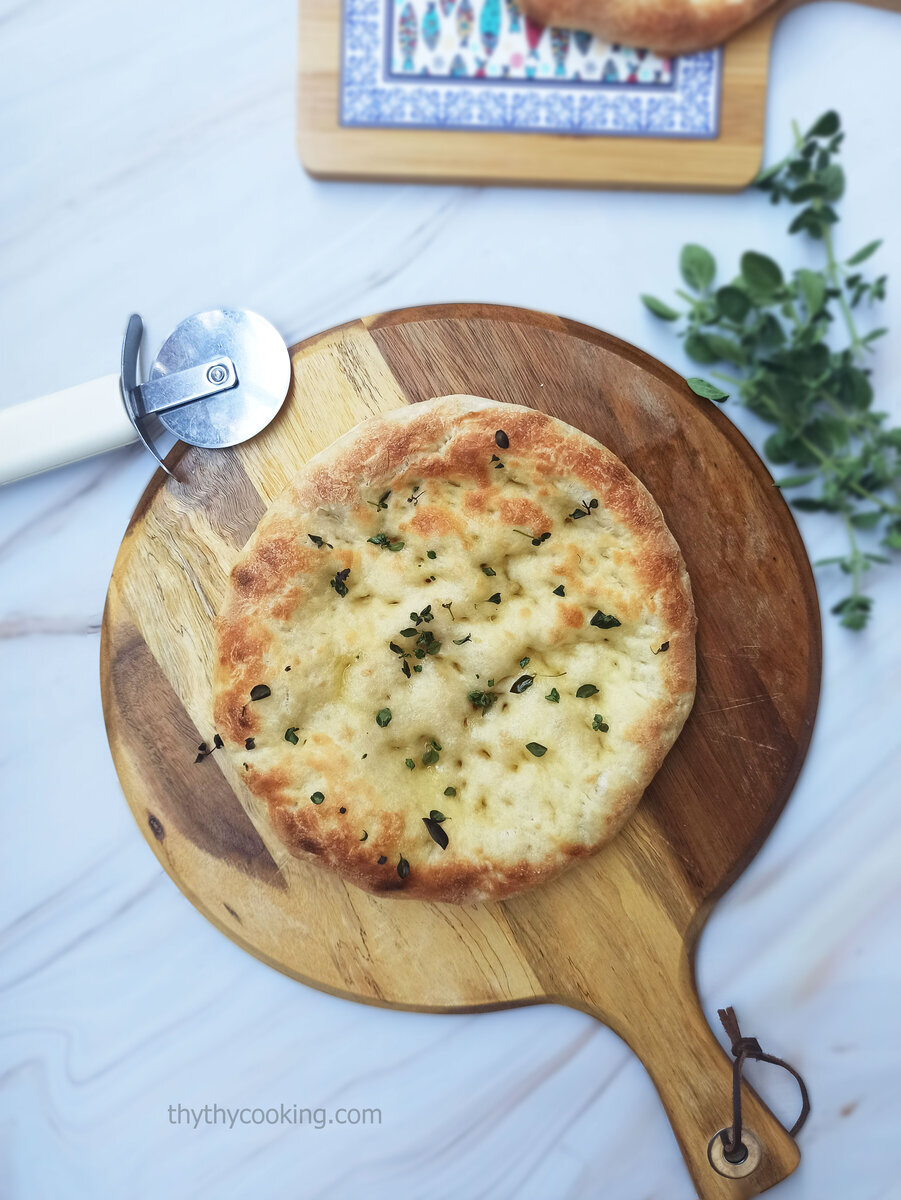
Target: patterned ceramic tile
{"x":463,"y":64}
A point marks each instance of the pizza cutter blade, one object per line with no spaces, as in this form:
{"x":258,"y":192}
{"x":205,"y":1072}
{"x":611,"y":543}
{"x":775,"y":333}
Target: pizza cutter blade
{"x":218,"y":380}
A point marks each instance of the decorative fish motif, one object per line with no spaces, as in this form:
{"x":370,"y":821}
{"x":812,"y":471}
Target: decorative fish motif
{"x":559,"y":49}
{"x":406,"y":35}
{"x":534,"y":33}
{"x":431,"y":26}
{"x":458,"y":67}
{"x":515,"y":15}
{"x":490,"y":25}
{"x":465,"y":20}
{"x":583,"y":40}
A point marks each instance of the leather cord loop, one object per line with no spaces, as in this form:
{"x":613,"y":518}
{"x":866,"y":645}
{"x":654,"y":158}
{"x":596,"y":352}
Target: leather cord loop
{"x":744,"y":1048}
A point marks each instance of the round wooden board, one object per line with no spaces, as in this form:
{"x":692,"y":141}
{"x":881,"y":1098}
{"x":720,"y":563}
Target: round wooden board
{"x":615,"y":935}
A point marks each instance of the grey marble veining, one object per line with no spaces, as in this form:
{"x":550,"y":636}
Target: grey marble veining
{"x":148,"y":165}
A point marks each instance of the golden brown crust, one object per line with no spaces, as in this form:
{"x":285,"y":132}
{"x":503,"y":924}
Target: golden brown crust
{"x":514,"y":820}
{"x":664,"y":26}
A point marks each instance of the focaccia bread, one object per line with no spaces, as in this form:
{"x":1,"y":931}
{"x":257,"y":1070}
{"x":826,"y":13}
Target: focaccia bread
{"x":455,"y":651}
{"x":665,"y":26}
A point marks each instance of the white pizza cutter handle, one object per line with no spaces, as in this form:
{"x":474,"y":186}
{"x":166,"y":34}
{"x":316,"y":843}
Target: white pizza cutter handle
{"x":62,"y":428}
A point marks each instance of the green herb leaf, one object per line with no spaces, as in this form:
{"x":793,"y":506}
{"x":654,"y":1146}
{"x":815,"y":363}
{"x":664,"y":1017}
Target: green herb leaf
{"x":339,"y":583}
{"x":698,"y":267}
{"x":436,"y":833}
{"x":403,"y":867}
{"x":317,"y":797}
{"x":824,"y":126}
{"x":807,"y":191}
{"x":486,"y":570}
{"x":699,"y":349}
{"x":587,"y":689}
{"x":408,"y":762}
{"x":536,"y":748}
{"x":863,"y":254}
{"x":599,"y":723}
{"x":495,"y":599}
{"x":833,"y":178}
{"x":866,"y":520}
{"x":463,"y":640}
{"x":431,"y":554}
{"x":554,"y":696}
{"x":383,"y":717}
{"x":483,"y":700}
{"x":604,"y":621}
{"x":260,"y":691}
{"x":365,"y":836}
{"x":659,"y":309}
{"x":524,"y":662}
{"x":560,"y":591}
{"x":761,"y":273}
{"x":522,"y":684}
{"x":733,"y":303}
{"x":429,"y":757}
{"x":709,"y":391}
{"x":450,"y":791}
{"x":812,"y":286}
{"x":291,"y":735}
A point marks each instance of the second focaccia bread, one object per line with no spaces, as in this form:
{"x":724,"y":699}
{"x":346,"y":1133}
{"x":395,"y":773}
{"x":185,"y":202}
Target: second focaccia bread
{"x":665,"y":26}
{"x":455,"y":651}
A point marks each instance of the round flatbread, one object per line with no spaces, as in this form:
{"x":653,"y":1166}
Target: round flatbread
{"x":455,"y":651}
{"x":665,"y":26}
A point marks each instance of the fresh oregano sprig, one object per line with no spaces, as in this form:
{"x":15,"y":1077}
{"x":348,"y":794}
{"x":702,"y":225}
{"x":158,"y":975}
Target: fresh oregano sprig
{"x":798,"y":360}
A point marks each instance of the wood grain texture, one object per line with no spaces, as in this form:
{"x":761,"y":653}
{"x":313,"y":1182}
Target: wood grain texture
{"x":615,"y":935}
{"x":730,"y":161}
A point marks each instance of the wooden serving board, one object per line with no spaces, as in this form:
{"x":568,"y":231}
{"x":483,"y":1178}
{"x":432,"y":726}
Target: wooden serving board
{"x":615,"y":935}
{"x":730,"y":161}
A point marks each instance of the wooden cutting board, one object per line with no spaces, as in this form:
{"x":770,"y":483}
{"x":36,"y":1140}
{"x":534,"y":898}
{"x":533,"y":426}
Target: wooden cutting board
{"x":614,"y":936}
{"x":329,"y":150}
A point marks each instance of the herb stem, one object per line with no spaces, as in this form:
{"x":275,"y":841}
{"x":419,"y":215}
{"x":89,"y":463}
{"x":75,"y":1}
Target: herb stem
{"x":856,"y":556}
{"x":834,"y":273}
{"x":735,"y":380}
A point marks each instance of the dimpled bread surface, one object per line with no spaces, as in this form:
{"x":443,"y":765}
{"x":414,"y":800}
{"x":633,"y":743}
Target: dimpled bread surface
{"x":405,"y":638}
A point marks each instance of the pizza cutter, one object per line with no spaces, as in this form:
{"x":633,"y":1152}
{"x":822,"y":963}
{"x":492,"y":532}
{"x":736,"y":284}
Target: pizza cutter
{"x":218,"y":380}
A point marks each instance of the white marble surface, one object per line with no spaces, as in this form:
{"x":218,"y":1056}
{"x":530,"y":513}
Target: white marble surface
{"x":148,"y":164}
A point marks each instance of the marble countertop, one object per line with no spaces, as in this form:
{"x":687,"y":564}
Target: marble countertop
{"x":149,"y":165}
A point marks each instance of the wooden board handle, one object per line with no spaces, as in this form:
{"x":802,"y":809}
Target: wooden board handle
{"x":693,"y":1076}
